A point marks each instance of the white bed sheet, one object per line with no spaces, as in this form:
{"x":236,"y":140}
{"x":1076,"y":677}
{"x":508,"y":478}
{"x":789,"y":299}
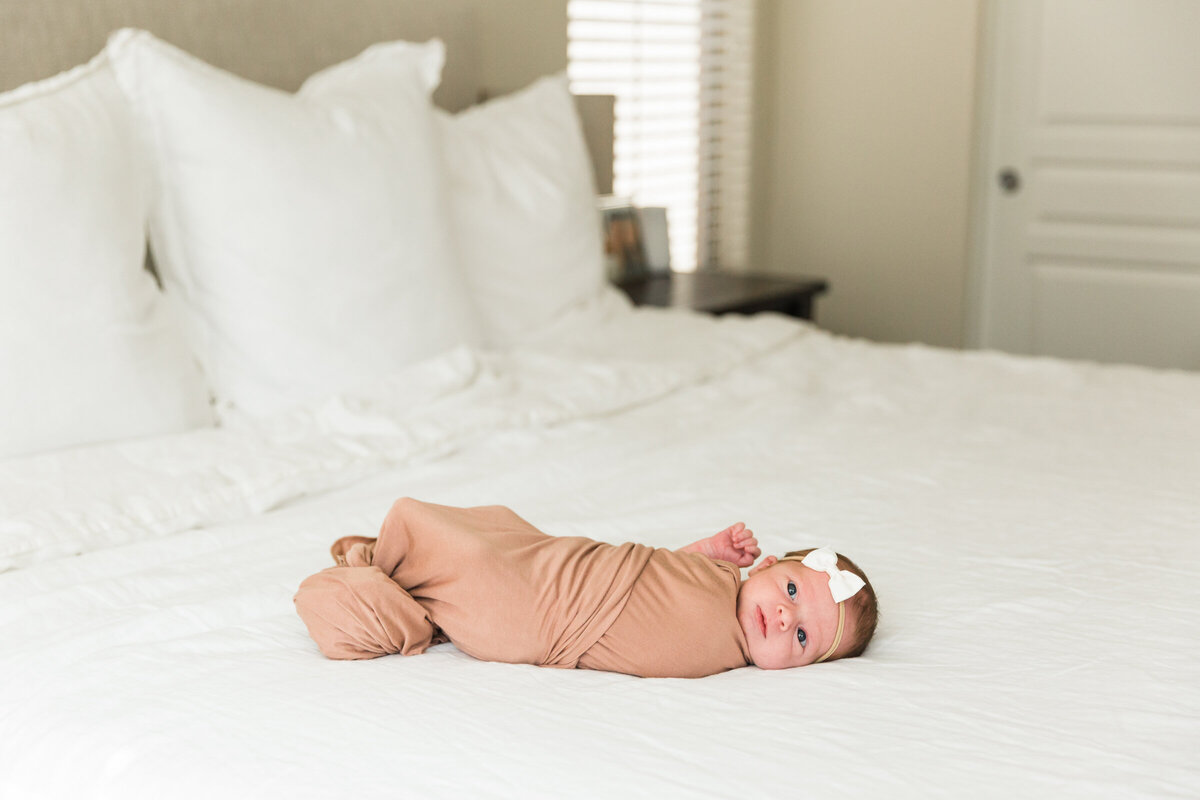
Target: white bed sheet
{"x":1031,"y":527}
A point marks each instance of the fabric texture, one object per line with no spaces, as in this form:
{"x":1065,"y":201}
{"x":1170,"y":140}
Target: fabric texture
{"x":501,"y":590}
{"x":305,"y":234}
{"x":523,"y":206}
{"x":89,"y":349}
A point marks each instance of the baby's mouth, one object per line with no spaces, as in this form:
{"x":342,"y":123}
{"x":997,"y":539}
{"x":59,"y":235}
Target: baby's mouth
{"x":762,"y":621}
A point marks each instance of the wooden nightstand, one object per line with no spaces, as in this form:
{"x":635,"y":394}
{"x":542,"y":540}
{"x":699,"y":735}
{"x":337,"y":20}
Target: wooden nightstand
{"x":724,"y":293}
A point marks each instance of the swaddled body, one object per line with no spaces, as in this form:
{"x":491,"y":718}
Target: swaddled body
{"x":501,"y":590}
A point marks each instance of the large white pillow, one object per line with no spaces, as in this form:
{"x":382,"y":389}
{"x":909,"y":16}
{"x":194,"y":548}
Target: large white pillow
{"x":306,"y":234}
{"x":524,"y":208}
{"x":88,"y":349}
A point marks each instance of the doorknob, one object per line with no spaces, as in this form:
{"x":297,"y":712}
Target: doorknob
{"x":1010,"y":180}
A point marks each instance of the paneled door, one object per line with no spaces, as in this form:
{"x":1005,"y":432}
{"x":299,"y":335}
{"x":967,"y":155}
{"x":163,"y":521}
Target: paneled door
{"x":1090,"y":154}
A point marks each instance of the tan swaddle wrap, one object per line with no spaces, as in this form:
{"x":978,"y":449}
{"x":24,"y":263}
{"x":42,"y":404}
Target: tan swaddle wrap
{"x":501,"y":590}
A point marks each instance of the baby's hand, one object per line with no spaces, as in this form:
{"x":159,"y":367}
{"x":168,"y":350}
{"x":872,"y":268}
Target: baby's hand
{"x":736,"y":544}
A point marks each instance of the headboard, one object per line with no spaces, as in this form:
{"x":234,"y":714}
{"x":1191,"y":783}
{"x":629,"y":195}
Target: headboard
{"x":275,"y":42}
{"x":281,"y":42}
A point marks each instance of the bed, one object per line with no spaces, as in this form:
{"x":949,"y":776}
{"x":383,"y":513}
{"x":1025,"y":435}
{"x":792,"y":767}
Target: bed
{"x":1032,"y":526}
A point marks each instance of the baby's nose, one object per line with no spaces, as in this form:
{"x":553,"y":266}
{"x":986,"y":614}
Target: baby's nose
{"x":785,"y":617}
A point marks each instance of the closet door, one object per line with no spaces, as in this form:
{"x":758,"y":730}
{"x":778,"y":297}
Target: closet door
{"x":1090,"y":152}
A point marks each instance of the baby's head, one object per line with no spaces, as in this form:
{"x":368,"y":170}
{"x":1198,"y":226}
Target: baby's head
{"x":789,"y":614}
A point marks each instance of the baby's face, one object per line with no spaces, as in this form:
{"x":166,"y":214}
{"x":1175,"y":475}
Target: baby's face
{"x":788,"y":615}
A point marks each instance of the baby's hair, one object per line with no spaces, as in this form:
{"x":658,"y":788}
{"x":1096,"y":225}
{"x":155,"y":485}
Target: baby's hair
{"x":863,"y":605}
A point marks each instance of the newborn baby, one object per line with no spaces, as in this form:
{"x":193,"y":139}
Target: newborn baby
{"x":501,"y":590}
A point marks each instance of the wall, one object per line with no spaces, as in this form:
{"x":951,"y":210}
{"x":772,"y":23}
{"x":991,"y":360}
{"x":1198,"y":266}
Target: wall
{"x":863,"y":155}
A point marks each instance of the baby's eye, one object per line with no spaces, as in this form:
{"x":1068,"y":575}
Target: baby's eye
{"x":791,"y":590}
{"x":802,"y":636}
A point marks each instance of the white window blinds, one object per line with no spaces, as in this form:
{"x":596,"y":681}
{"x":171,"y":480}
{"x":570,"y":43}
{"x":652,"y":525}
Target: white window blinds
{"x":681,"y":72}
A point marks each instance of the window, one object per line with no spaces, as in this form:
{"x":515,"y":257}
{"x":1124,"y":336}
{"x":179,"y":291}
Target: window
{"x":681,"y":72}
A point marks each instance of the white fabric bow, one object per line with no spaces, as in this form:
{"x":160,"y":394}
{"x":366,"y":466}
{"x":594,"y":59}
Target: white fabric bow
{"x":843,"y":584}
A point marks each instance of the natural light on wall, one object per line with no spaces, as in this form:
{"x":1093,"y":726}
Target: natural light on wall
{"x":681,"y":71}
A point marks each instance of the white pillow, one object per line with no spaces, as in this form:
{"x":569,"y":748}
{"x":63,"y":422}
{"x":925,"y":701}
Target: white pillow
{"x":88,"y":349}
{"x":305,"y":234}
{"x":524,"y":208}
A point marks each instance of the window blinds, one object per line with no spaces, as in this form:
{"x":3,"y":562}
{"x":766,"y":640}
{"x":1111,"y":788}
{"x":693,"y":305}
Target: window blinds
{"x":681,"y":72}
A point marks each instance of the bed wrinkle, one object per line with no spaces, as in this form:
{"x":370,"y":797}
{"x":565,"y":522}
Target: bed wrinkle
{"x":149,"y":488}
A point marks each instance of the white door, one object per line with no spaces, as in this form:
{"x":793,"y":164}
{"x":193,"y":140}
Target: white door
{"x":1090,"y":217}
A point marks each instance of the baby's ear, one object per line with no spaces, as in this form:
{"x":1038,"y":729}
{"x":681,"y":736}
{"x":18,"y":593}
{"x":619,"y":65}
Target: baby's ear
{"x":769,"y":561}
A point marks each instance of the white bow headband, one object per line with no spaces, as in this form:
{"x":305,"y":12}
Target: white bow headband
{"x":843,"y":584}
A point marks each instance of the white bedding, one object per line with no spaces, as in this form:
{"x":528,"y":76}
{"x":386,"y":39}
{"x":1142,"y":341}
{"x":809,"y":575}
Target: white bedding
{"x":1032,"y":528}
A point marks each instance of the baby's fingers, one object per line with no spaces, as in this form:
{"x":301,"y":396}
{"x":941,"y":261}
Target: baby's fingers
{"x":749,"y":544}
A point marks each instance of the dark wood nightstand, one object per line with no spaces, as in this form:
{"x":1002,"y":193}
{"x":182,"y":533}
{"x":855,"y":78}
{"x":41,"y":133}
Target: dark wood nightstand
{"x":724,"y":293}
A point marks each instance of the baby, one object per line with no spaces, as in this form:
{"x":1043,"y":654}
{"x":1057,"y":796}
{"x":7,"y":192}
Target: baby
{"x":501,"y":590}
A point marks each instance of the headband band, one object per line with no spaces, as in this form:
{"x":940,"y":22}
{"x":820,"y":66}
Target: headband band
{"x":838,"y":638}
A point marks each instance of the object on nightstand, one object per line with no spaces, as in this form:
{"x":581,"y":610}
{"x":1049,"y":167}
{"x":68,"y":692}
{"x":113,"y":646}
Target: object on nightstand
{"x":655,"y":240}
{"x":624,"y":256}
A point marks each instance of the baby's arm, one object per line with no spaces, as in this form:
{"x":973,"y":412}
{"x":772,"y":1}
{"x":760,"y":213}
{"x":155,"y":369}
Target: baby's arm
{"x":736,"y":544}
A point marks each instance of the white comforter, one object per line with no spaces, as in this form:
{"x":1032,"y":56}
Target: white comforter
{"x":1032,"y":528}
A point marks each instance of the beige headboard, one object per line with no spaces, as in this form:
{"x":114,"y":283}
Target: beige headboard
{"x":276,"y":42}
{"x":492,"y":46}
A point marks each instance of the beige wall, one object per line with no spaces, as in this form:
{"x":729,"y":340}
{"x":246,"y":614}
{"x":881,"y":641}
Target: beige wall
{"x":863,"y":147}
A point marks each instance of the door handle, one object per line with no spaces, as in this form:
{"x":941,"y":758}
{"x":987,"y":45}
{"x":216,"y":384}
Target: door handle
{"x":1009,"y":180}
